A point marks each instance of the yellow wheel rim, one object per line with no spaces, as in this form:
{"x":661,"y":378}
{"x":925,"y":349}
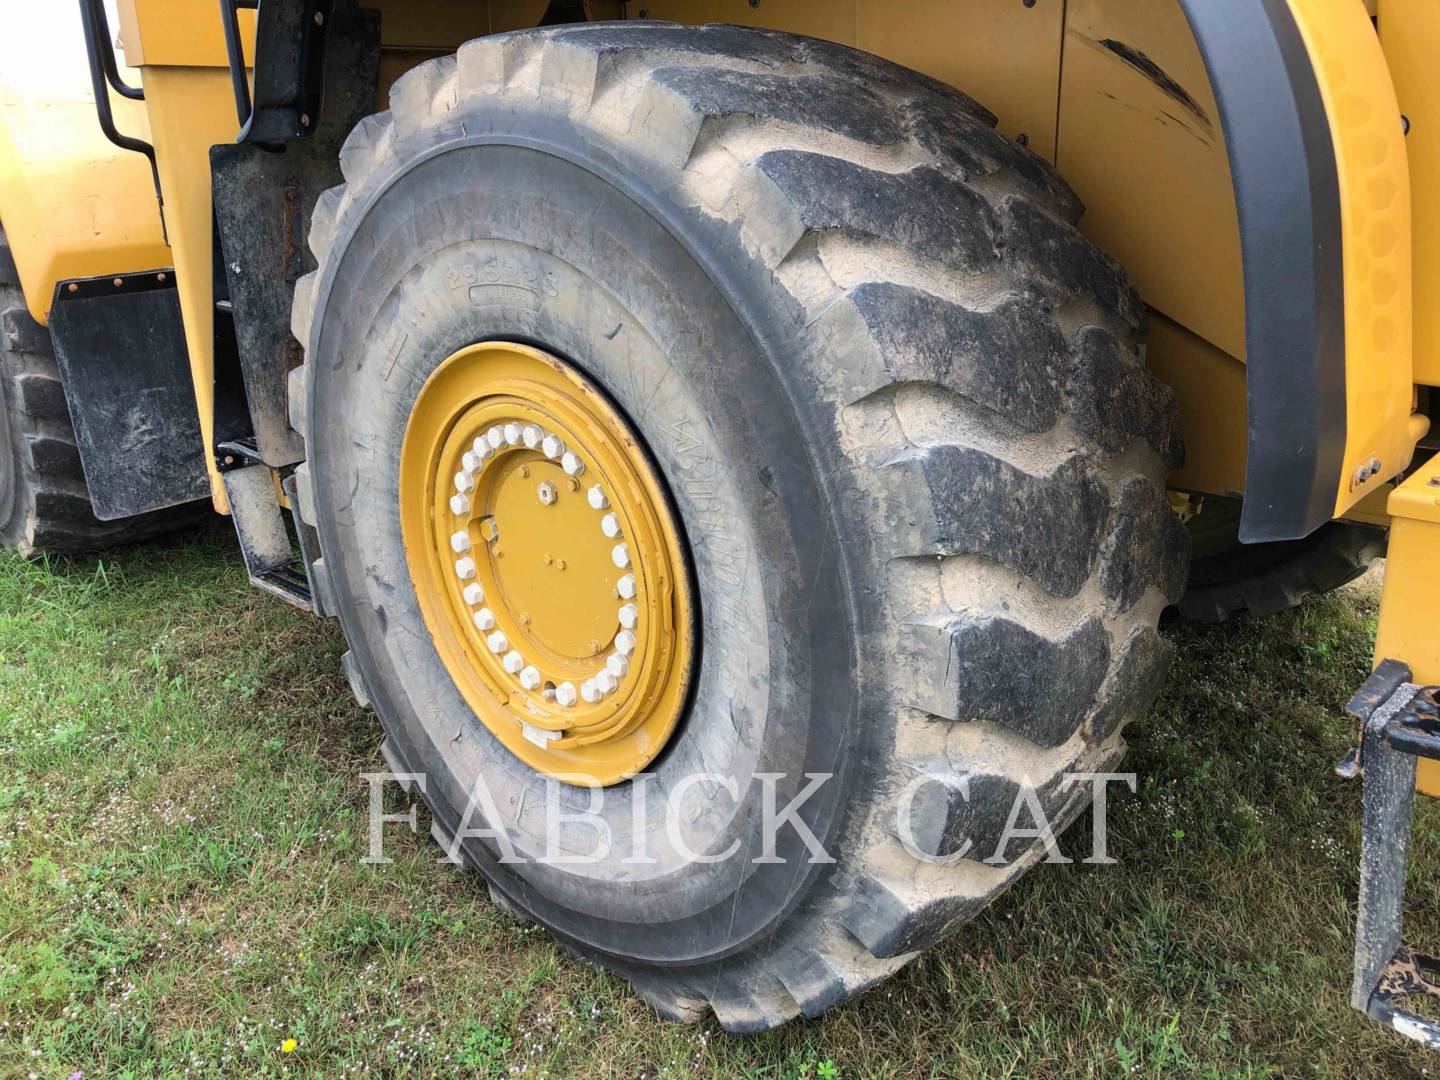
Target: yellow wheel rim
{"x":547,"y":562}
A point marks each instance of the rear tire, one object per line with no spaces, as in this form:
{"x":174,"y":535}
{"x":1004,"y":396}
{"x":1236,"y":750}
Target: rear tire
{"x":44,"y":502}
{"x":1228,"y":579}
{"x":898,"y":403}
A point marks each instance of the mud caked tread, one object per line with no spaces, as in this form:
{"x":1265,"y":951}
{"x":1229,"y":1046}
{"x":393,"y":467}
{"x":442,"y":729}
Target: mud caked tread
{"x":48,"y":508}
{"x":1001,"y":449}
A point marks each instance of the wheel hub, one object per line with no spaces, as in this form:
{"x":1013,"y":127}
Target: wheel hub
{"x":547,"y":562}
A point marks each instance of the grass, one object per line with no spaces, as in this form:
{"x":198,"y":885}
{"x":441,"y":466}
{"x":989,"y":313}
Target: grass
{"x":181,"y":824}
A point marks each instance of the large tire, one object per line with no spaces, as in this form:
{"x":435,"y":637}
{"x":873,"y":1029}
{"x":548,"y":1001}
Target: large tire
{"x":1228,"y":579}
{"x":44,"y":502}
{"x":897,"y":398}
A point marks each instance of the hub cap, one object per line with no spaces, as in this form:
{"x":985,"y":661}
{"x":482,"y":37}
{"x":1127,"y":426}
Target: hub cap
{"x":547,"y":562}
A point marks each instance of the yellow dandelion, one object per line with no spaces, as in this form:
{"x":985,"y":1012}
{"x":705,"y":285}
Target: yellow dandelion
{"x":288,"y":1046}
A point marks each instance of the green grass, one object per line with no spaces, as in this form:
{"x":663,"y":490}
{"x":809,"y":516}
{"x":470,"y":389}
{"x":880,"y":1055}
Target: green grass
{"x":181,"y":824}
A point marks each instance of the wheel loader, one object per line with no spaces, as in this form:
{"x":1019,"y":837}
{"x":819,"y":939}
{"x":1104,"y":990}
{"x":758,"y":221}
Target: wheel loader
{"x":803,"y":403}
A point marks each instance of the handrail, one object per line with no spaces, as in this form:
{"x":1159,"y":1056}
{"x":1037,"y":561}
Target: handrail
{"x":234,"y":51}
{"x":99,"y":50}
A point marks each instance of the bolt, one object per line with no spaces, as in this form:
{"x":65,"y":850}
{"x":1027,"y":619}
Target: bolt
{"x":495,"y":436}
{"x":513,"y":662}
{"x":482,"y":447}
{"x":304,"y":119}
{"x":464,"y":482}
{"x":546,"y":493}
{"x":474,"y":594}
{"x":552,"y":447}
{"x":485,"y":620}
{"x":524,"y":472}
{"x":471,"y":461}
{"x":606,"y":683}
{"x":1029,"y":3}
{"x":572,"y":465}
{"x":596,"y":498}
{"x":559,"y":564}
{"x":229,"y":459}
{"x":1023,"y":139}
{"x":530,"y":677}
{"x":618,"y":665}
{"x":610,"y":526}
{"x":73,"y":287}
{"x":497,"y":642}
{"x":162,"y":276}
{"x":319,"y":18}
{"x":565,"y":694}
{"x":620,"y":556}
{"x":460,"y":542}
{"x":625,"y":642}
{"x":590,"y":692}
{"x":119,"y":281}
{"x":524,"y":618}
{"x":465,"y":568}
{"x":459,"y":505}
{"x":512,"y":434}
{"x":627,"y":587}
{"x":629,"y":616}
{"x":594,"y":646}
{"x":531,"y":436}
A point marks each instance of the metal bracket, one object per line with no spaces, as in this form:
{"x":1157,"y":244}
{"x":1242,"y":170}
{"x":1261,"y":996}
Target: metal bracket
{"x":1399,"y":720}
{"x":270,"y":557}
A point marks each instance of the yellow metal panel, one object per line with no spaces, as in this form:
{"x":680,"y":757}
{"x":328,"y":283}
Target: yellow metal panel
{"x":1209,"y":387}
{"x":1410,"y":36}
{"x":1003,"y":54}
{"x":72,"y":204}
{"x":1412,"y":589}
{"x":1373,"y":168}
{"x":180,"y":33}
{"x":191,"y":110}
{"x":1141,"y":142}
{"x":833,"y":20}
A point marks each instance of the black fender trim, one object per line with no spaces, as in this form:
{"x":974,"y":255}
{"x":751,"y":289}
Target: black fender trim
{"x":1287,"y":192}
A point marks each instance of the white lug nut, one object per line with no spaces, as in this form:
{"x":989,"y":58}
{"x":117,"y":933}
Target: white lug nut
{"x":620,"y":556}
{"x":590,"y":692}
{"x":552,"y":447}
{"x":513,"y":662}
{"x":605,"y":682}
{"x":565,"y":694}
{"x":464,"y":483}
{"x":474,"y":594}
{"x":629,"y":616}
{"x":626,"y":586}
{"x":495,"y":437}
{"x":472,"y":461}
{"x":465,"y":569}
{"x":459,"y":505}
{"x":610,"y":526}
{"x":572,"y":465}
{"x":617,"y":665}
{"x":497,"y":642}
{"x":481,"y":449}
{"x":531,"y":436}
{"x":460,"y":542}
{"x":530,"y":677}
{"x":485,"y":620}
{"x":625,"y":642}
{"x":597,"y":498}
{"x":546,"y":493}
{"x":512,"y":434}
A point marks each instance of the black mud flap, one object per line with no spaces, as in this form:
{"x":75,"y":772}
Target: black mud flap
{"x":120,"y":347}
{"x":1400,"y":721}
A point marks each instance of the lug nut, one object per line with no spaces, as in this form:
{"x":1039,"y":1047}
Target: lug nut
{"x":572,"y":465}
{"x":474,"y":594}
{"x":552,"y":447}
{"x":530,"y":677}
{"x":497,"y":642}
{"x":459,"y":505}
{"x":626,"y":586}
{"x":460,"y":542}
{"x":629,"y":616}
{"x":617,"y":665}
{"x":512,"y":434}
{"x":620,"y":556}
{"x":513,"y":662}
{"x":606,"y":683}
{"x":485,"y":620}
{"x":465,"y":569}
{"x":531,"y":436}
{"x":590,"y":692}
{"x":610,"y":526}
{"x":625,"y":642}
{"x":464,"y":483}
{"x":546,"y":494}
{"x":596,"y":497}
{"x":482,"y":447}
{"x":564,"y":693}
{"x":495,"y":437}
{"x":472,"y":462}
